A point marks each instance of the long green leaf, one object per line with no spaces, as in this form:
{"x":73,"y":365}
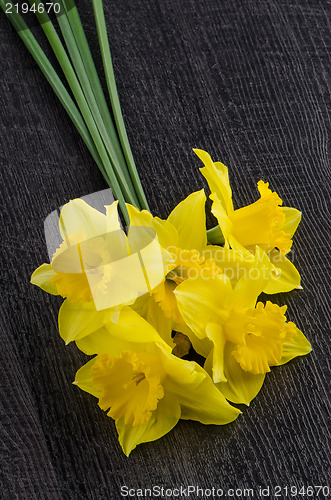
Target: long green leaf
{"x":70,"y":75}
{"x":63,"y":95}
{"x":51,"y":76}
{"x":84,"y":49}
{"x":114,"y":164}
{"x":113,"y":94}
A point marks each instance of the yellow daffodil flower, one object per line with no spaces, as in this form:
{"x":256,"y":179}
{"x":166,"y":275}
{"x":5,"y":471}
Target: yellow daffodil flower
{"x":264,"y":223}
{"x":80,"y":226}
{"x":245,"y":338}
{"x":143,"y":387}
{"x":98,"y":268}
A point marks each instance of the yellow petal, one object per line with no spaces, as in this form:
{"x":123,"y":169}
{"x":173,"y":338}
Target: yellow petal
{"x":84,"y":380}
{"x":286,"y":276}
{"x":113,"y":222}
{"x":131,"y":332}
{"x":146,"y":307}
{"x":189,"y":219}
{"x":298,"y":346}
{"x":101,"y":341}
{"x":217,"y":176}
{"x":163,"y":419}
{"x":79,"y":320}
{"x":218,"y":210}
{"x":42,"y":277}
{"x":167,"y":234}
{"x":241,"y":386}
{"x":292,"y":219}
{"x":198,"y":397}
{"x":201,"y":301}
{"x":252,"y":283}
{"x":216,"y":335}
{"x":78,"y":216}
{"x":133,"y":328}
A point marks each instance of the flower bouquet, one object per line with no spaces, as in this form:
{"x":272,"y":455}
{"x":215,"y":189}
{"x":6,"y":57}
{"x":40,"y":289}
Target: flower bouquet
{"x":168,"y":309}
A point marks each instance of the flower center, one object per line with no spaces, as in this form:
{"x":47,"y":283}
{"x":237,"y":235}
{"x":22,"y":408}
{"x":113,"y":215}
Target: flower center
{"x":131,"y":385}
{"x":259,"y":335}
{"x":79,"y":266}
{"x":138,"y":377}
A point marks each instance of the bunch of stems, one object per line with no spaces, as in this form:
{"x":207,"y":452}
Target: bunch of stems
{"x":102,"y":129}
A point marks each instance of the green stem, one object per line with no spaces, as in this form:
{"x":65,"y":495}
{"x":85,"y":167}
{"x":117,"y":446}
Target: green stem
{"x":113,"y":94}
{"x":68,"y":71}
{"x":79,"y":34}
{"x":51,"y":76}
{"x":215,"y":236}
{"x":113,"y":165}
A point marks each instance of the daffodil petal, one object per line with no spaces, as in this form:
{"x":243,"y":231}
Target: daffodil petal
{"x":200,"y":302}
{"x":42,"y":277}
{"x":298,"y":346}
{"x":217,"y":176}
{"x":189,"y":218}
{"x":102,"y":342}
{"x":163,"y":419}
{"x":218,"y":210}
{"x":216,"y":335}
{"x":287,"y":277}
{"x":247,"y":290}
{"x":79,"y":320}
{"x":78,"y":216}
{"x":241,"y":387}
{"x":166,"y":233}
{"x":146,"y":307}
{"x":84,"y":380}
{"x":131,"y":327}
{"x":200,"y":400}
{"x":112,"y":223}
{"x":131,"y":332}
{"x":226,"y":226}
{"x":292,"y":219}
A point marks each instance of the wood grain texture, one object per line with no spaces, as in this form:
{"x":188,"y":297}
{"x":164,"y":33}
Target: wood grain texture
{"x":248,"y":81}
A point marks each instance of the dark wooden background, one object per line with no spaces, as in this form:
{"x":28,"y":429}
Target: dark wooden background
{"x":249,"y":81}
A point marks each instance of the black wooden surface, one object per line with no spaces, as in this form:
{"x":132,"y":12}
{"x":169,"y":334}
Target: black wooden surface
{"x":248,"y":81}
